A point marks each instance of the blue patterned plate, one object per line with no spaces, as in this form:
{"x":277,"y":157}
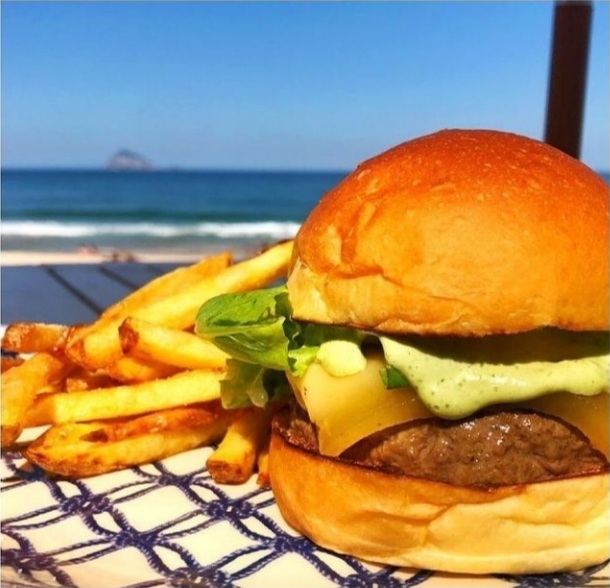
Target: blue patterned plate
{"x":169,"y":524}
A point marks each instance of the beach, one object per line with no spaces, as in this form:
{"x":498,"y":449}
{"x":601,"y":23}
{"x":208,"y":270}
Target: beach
{"x":12,"y":258}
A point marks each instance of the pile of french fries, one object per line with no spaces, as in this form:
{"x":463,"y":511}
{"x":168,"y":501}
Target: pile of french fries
{"x":137,"y":385}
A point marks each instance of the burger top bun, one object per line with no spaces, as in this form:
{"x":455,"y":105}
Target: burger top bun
{"x":464,"y":232}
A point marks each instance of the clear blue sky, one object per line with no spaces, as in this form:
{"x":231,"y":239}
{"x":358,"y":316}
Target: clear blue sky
{"x":276,"y":85}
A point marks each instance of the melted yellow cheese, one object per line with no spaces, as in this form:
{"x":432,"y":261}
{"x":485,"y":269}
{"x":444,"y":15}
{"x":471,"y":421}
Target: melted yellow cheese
{"x":590,"y":414}
{"x":347,"y":409}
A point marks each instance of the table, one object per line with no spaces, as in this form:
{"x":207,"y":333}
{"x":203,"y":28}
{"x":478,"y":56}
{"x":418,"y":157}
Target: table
{"x":70,"y":293}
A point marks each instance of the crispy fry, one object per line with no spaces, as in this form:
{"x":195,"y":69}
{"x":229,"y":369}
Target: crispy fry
{"x":162,"y":420}
{"x":160,"y":288}
{"x":20,"y":386}
{"x":101,"y":347}
{"x":80,"y":379}
{"x":32,"y":337}
{"x":179,"y":390}
{"x":234,"y":459}
{"x":151,"y":342}
{"x":87,"y":449}
{"x":130,"y":370}
{"x":168,"y":284}
{"x":11,"y":361}
{"x":74,"y":333}
{"x":53,"y":388}
{"x":262,"y":465}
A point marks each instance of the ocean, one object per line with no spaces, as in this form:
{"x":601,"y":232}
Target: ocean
{"x":156,"y":211}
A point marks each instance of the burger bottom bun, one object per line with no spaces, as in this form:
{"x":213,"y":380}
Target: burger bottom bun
{"x":394,"y":519}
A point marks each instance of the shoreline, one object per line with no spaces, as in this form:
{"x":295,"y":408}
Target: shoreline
{"x":109,"y":255}
{"x":13,"y":258}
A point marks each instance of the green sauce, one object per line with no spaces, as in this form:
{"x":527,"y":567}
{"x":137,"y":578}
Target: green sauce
{"x":456,"y":377}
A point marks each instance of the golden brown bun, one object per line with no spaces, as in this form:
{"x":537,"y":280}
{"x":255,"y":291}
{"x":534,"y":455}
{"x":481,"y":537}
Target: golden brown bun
{"x":464,"y":232}
{"x":397,"y":520}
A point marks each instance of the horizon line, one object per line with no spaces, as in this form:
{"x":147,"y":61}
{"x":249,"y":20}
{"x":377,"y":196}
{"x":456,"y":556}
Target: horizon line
{"x":153,"y":170}
{"x":172,"y":169}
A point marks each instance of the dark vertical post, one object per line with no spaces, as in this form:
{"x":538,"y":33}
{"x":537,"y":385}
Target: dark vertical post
{"x":568,"y":75}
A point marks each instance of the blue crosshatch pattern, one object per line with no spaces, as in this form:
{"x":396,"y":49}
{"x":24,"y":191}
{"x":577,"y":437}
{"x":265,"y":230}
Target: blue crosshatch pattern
{"x":174,"y":550}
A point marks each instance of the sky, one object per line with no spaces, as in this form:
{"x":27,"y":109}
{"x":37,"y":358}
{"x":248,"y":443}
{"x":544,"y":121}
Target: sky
{"x":276,"y":85}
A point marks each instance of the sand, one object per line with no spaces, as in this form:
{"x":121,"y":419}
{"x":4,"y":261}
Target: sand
{"x":9,"y":258}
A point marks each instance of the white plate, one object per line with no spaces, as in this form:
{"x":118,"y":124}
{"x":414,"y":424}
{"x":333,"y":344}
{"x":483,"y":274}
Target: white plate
{"x":169,"y":524}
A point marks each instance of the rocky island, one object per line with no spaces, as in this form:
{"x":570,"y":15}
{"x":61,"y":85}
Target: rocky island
{"x":126,"y":160}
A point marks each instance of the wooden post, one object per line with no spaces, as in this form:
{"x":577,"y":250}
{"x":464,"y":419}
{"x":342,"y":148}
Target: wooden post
{"x":568,"y":75}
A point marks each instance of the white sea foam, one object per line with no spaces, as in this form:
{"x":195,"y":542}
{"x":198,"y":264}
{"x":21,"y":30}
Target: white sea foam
{"x":54,"y":229}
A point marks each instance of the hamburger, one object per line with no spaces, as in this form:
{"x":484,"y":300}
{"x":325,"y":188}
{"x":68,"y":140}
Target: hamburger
{"x":441,"y":343}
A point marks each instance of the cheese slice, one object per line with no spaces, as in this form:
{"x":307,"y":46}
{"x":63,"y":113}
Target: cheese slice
{"x":590,"y":414}
{"x":348,"y":409}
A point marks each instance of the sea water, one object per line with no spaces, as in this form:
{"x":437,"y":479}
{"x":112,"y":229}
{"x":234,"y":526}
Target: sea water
{"x":159,"y":211}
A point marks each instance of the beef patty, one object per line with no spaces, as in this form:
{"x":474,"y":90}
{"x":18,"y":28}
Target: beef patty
{"x":495,"y":448}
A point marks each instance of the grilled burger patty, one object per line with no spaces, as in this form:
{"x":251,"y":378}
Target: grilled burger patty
{"x":495,"y":448}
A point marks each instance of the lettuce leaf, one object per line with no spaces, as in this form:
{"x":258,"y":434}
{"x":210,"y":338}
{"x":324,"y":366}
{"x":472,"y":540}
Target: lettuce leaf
{"x":249,"y":384}
{"x":257,"y":327}
{"x":393,"y":378}
{"x":249,"y":326}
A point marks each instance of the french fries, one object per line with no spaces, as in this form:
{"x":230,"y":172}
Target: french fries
{"x":107,"y":403}
{"x":20,"y":386}
{"x":162,"y":420}
{"x":10,"y":361}
{"x":234,"y":460}
{"x":97,"y":345}
{"x":33,"y":337}
{"x":101,"y":346}
{"x":80,"y":379}
{"x":182,"y":349}
{"x":168,"y":284}
{"x":133,"y":370}
{"x":263,"y":478}
{"x":136,"y":385}
{"x":88,"y":449}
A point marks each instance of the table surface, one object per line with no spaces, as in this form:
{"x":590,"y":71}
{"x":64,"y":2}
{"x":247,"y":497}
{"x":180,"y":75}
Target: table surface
{"x":70,"y":293}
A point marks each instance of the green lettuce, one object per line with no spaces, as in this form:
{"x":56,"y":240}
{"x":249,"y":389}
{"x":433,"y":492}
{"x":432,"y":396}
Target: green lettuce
{"x":248,"y":384}
{"x":256,"y":329}
{"x":393,"y":378}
